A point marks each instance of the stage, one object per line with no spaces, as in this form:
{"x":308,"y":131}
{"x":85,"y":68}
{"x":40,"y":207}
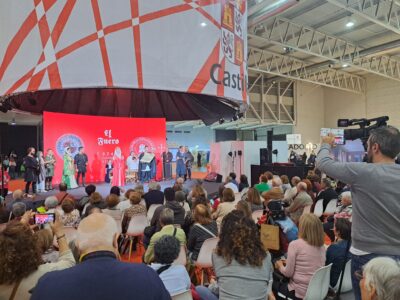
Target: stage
{"x":104,"y":189}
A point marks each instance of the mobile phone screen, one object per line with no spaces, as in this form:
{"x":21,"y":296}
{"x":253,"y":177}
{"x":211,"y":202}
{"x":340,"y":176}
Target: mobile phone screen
{"x":338,"y":133}
{"x":44,"y":218}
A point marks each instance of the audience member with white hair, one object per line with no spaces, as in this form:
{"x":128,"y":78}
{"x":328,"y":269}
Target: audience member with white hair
{"x":50,"y":204}
{"x":342,"y":211}
{"x":380,"y":279}
{"x":100,"y":275}
{"x":290,"y":193}
{"x":302,"y":200}
{"x":277,"y":182}
{"x":154,"y":195}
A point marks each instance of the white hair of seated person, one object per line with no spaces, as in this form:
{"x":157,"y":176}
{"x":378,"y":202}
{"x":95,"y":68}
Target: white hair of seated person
{"x":276,"y":181}
{"x":97,"y":232}
{"x":377,"y":273}
{"x":180,"y":180}
{"x":346,"y":198}
{"x":51,"y":202}
{"x":302,"y":187}
{"x":154,"y":186}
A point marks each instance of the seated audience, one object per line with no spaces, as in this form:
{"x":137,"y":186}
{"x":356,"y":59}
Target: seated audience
{"x":62,"y":194}
{"x":116,"y":190}
{"x":232,"y":175}
{"x":124,"y":204}
{"x":305,"y":256}
{"x":154,"y":195}
{"x":45,"y":241}
{"x":285,"y":183}
{"x":327,"y":193}
{"x":218,"y":199}
{"x":171,"y":203}
{"x":89,"y":190}
{"x":344,"y":210}
{"x":204,"y":227}
{"x":337,"y":252}
{"x":225,"y":207}
{"x":292,"y":192}
{"x":197,"y":191}
{"x":274,"y":194}
{"x":310,"y":191}
{"x":112,"y":209}
{"x":180,"y":181}
{"x":100,"y":275}
{"x":136,"y":209}
{"x":19,"y":196}
{"x":230,"y":185}
{"x":69,"y":215}
{"x":276,"y":183}
{"x":189,"y":219}
{"x":315,"y":181}
{"x":253,"y":197}
{"x":244,"y":183}
{"x":18,"y":210}
{"x":180,"y":197}
{"x":95,"y":200}
{"x":269,"y":176}
{"x":263,"y":186}
{"x":242,"y":267}
{"x":244,"y":206}
{"x":175,"y":277}
{"x":167,"y":228}
{"x":21,"y":258}
{"x":381,"y":279}
{"x":303,"y":199}
{"x":51,"y":204}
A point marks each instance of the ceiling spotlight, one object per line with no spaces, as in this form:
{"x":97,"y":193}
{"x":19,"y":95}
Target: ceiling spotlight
{"x":349,"y":24}
{"x":221,"y":121}
{"x":203,"y":24}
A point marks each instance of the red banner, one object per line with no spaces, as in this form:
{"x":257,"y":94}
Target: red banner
{"x":100,"y":136}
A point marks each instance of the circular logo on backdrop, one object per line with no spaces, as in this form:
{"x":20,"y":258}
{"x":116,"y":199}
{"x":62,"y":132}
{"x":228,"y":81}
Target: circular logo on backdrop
{"x":138,"y":145}
{"x":68,"y":140}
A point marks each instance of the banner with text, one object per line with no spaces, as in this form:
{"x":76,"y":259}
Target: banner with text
{"x":100,"y":136}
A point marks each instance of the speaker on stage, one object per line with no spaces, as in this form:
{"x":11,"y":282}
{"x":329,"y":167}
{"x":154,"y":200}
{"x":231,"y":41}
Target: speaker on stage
{"x":265,"y":156}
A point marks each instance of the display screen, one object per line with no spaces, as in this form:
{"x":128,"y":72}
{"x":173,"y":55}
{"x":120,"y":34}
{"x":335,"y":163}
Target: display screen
{"x":338,"y":133}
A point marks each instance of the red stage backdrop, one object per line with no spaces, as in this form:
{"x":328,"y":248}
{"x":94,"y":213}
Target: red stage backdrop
{"x":100,"y":136}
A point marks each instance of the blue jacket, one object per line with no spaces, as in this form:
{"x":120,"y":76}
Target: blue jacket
{"x":101,"y":276}
{"x":335,"y":254}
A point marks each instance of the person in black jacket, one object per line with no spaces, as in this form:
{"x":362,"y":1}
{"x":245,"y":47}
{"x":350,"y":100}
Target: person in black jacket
{"x":327,"y":193}
{"x":31,"y":170}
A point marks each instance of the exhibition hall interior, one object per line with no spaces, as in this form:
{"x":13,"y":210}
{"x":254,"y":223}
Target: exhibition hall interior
{"x":200,"y":149}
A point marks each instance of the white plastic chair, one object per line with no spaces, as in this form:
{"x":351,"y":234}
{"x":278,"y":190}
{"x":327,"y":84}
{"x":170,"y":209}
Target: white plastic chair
{"x":136,"y":228}
{"x":331,"y":207}
{"x":319,"y":209}
{"x":182,"y":258}
{"x":186,"y":295}
{"x":319,"y":284}
{"x":256,"y":215}
{"x":346,"y":284}
{"x":151,"y":211}
{"x":204,"y":260}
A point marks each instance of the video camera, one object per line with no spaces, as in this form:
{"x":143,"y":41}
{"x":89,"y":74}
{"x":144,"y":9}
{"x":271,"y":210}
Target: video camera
{"x":363,"y":132}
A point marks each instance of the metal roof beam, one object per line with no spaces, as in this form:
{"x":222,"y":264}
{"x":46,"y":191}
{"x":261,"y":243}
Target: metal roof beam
{"x":310,"y":41}
{"x":265,"y":61}
{"x":385,"y":13}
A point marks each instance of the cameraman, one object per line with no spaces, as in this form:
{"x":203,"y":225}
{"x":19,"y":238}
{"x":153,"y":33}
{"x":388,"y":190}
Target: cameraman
{"x":376,"y":197}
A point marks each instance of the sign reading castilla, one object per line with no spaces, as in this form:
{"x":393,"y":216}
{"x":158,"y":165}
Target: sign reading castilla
{"x":186,"y":46}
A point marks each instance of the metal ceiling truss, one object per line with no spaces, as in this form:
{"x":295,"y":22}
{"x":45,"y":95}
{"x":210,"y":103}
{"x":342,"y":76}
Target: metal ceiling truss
{"x":265,"y":61}
{"x":307,"y":40}
{"x":385,"y":13}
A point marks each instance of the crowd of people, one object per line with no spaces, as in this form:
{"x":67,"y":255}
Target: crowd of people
{"x":362,"y":227}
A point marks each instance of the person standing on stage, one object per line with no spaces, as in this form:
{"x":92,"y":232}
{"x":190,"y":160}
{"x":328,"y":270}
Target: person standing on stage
{"x":180,"y":162}
{"x":132,"y":164}
{"x":41,"y":173}
{"x":189,"y":159}
{"x":81,"y":161}
{"x":118,"y":168}
{"x":198,"y":159}
{"x":167,"y":164}
{"x":147,"y":165}
{"x":109,"y":168}
{"x":69,"y":171}
{"x":31,"y":170}
{"x":50,"y":162}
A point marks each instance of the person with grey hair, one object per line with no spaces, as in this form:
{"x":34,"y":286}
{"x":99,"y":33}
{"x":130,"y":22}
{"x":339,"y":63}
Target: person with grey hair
{"x":180,"y":197}
{"x":154,"y":195}
{"x":303,"y":199}
{"x":375,"y":193}
{"x":100,"y":275}
{"x":380,"y":279}
{"x":50,"y":204}
{"x":327,"y":193}
{"x":290,"y":193}
{"x":175,"y":277}
{"x":18,"y":210}
{"x":167,"y":228}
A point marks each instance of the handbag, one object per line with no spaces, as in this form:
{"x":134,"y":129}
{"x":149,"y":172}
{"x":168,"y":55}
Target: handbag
{"x":270,"y":236}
